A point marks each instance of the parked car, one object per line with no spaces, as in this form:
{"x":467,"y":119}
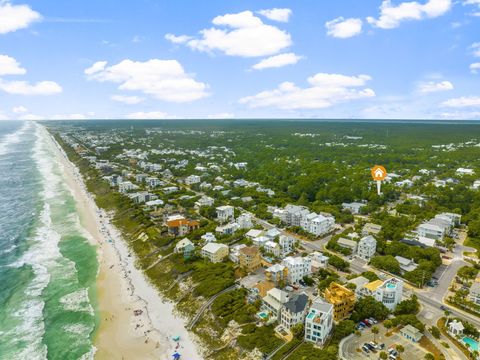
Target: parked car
{"x":364,"y":348}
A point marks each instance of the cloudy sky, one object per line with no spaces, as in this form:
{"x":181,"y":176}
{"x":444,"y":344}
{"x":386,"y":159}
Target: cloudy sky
{"x":239,"y":59}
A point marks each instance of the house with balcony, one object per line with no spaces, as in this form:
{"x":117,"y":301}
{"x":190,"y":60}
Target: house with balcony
{"x":367,"y":246}
{"x":342,"y":299}
{"x":319,"y":322}
{"x":277,"y":274}
{"x":298,"y":267}
{"x":293,"y":312}
{"x":225,"y":213}
{"x":215,"y":252}
{"x":273,"y":302}
{"x":249,"y":258}
{"x":181,"y":226}
{"x":185,"y":247}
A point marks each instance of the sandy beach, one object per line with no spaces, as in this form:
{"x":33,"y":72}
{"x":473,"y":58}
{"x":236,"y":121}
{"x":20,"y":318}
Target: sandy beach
{"x":135,"y":322}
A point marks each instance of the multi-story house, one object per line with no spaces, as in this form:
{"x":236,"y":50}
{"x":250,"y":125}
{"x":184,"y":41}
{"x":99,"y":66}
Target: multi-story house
{"x":298,"y":267}
{"x":388,"y":292}
{"x":342,"y":299}
{"x":320,"y":225}
{"x":319,"y":322}
{"x":179,"y":226}
{"x":215,"y":252}
{"x":192,"y":179}
{"x":153,"y":182}
{"x":319,"y":261}
{"x":294,"y":310}
{"x":249,"y":258}
{"x":245,"y":221}
{"x":225,"y":213}
{"x":204,"y":201}
{"x":227,"y":229}
{"x":272,"y":248}
{"x":274,"y":301}
{"x":185,"y":247}
{"x":126,"y":186}
{"x":353,"y":207}
{"x":366,"y":247}
{"x":287,"y":244}
{"x":277,"y":274}
{"x":474,"y":293}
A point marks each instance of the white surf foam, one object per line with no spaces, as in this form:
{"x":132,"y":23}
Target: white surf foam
{"x":77,"y":301}
{"x":13,"y":138}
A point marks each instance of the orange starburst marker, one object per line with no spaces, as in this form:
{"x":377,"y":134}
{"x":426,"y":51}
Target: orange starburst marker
{"x":379,"y":173}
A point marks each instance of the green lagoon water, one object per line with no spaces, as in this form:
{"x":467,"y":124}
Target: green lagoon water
{"x":47,"y":265}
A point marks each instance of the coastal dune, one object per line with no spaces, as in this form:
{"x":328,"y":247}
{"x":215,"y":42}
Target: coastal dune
{"x":134,"y":321}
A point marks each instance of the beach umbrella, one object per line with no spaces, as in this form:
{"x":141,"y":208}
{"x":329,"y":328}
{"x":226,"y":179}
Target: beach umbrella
{"x":176,"y":356}
{"x":176,"y":338}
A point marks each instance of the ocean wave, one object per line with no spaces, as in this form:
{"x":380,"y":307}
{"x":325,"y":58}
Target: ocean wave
{"x":77,"y":301}
{"x":13,"y":138}
{"x":30,"y":331}
{"x":77,"y":329}
{"x":8,"y":250}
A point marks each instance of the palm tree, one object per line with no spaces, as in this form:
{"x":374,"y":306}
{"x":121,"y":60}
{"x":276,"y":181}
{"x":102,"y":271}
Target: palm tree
{"x":375,"y":331}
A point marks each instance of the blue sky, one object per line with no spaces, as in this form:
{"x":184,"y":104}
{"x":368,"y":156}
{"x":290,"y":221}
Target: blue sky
{"x":243,"y":59}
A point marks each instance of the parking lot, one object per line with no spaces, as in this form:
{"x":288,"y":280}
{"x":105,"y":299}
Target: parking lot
{"x":352,"y":349}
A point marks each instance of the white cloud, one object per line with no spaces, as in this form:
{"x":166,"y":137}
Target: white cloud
{"x":25,"y":88}
{"x":10,"y":66}
{"x":95,"y":68}
{"x":147,"y":115}
{"x":475,"y":49}
{"x":19,"y":109}
{"x":392,"y":15}
{"x":344,"y":28}
{"x":326,"y":90}
{"x":16,"y":17}
{"x":242,"y":34}
{"x":464,"y":101}
{"x":475,"y":68}
{"x":276,"y":14}
{"x":277,"y":61}
{"x":129,"y":100}
{"x":163,"y":79}
{"x":432,"y":86}
{"x":177,"y":39}
{"x":224,"y":115}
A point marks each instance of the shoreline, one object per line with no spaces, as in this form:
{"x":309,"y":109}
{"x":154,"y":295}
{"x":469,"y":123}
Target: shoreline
{"x":122,"y":289}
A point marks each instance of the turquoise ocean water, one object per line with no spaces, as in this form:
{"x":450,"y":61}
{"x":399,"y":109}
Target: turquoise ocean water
{"x":47,"y":265}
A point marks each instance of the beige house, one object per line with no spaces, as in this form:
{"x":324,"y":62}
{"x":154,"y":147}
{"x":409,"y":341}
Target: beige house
{"x":215,"y":252}
{"x":249,"y":258}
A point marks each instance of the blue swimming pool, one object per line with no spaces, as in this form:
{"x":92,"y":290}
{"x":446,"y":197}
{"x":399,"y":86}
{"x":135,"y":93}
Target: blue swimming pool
{"x":473,"y":345}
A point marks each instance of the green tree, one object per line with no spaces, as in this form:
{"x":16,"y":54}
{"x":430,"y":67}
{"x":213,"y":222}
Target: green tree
{"x":409,"y":306}
{"x":369,"y":307}
{"x":375,"y":332}
{"x":298,"y":331}
{"x":388,"y":263}
{"x":343,"y":329}
{"x":383,"y":355}
{"x":435,"y":332}
{"x":429,"y":356}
